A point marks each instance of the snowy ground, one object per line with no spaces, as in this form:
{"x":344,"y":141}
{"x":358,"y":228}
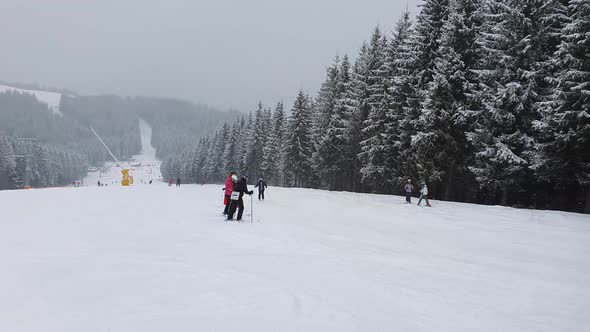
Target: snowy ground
{"x":159,"y":258}
{"x":52,"y":99}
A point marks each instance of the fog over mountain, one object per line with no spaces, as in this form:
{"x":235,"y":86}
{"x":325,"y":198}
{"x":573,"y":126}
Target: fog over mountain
{"x":227,"y":54}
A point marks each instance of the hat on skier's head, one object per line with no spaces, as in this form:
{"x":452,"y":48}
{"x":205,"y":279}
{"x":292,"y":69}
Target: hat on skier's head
{"x":245,"y":177}
{"x":260,"y":179}
{"x":234,"y":177}
{"x":409,"y":180}
{"x":232,"y":173}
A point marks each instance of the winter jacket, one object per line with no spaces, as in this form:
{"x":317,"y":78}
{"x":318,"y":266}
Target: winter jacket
{"x":261,"y":185}
{"x":424,"y":190}
{"x":242,"y":187}
{"x":229,"y":186}
{"x":409,"y":187}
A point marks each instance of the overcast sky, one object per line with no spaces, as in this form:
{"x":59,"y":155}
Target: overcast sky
{"x":224,"y":53}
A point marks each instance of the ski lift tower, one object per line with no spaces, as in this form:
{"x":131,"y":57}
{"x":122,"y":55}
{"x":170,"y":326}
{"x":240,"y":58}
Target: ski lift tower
{"x":27,"y":143}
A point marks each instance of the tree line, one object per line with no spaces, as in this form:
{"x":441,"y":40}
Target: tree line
{"x":24,"y":162}
{"x":487,"y":101}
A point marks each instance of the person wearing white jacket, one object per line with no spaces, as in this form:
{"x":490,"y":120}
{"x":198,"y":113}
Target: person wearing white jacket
{"x":424,"y":194}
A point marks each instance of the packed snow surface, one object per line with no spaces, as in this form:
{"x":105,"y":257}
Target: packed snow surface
{"x":160,"y":258}
{"x":52,"y":99}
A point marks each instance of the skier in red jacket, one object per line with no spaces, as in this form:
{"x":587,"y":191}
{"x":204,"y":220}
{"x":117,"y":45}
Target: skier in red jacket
{"x":229,"y":188}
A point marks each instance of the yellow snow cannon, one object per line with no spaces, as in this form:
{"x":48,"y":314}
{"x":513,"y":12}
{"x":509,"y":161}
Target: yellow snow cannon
{"x":125,"y":181}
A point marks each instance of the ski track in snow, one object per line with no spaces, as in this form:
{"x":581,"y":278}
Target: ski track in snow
{"x":159,"y":258}
{"x":143,"y":167}
{"x":52,"y":99}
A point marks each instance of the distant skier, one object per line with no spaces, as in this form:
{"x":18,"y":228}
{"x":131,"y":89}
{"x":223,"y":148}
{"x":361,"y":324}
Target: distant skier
{"x":170,"y":181}
{"x":424,"y":194}
{"x":178,"y":182}
{"x":409,"y":188}
{"x":228,"y":189}
{"x":100,"y":185}
{"x":151,"y":181}
{"x":241,"y":187}
{"x":261,"y":185}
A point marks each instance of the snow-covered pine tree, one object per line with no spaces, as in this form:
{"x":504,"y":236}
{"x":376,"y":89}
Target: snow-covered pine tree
{"x":273,"y":161}
{"x":267,"y":130}
{"x":335,"y":158}
{"x":298,"y":149}
{"x":426,"y":40}
{"x":7,"y":163}
{"x":254,"y":154}
{"x":324,"y":102}
{"x":229,"y":160}
{"x":241,"y":144}
{"x":451,"y":99}
{"x":401,"y":120}
{"x":374,"y":150}
{"x":358,"y":108}
{"x":322,"y":113}
{"x":567,"y":153}
{"x":245,"y":142}
{"x":213,"y":164}
{"x":201,"y":161}
{"x":504,"y":137}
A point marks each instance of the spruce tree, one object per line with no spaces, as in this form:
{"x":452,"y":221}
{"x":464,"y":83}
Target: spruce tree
{"x":451,"y":97}
{"x":298,"y":148}
{"x":374,"y":148}
{"x":567,"y":153}
{"x":400,"y":119}
{"x":335,"y":160}
{"x":504,"y":137}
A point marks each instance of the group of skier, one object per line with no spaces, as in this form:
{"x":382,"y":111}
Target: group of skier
{"x":409,"y":189}
{"x":235,"y":188}
{"x":171,"y":181}
{"x":234,"y":191}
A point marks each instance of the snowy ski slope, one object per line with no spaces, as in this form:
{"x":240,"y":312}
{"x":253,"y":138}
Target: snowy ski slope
{"x":143,"y":167}
{"x":52,"y":99}
{"x":159,"y":258}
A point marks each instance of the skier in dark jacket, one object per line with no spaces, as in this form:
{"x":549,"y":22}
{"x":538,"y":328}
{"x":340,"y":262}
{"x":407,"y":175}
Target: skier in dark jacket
{"x":241,"y":187}
{"x":261,"y":185}
{"x":178,"y":182}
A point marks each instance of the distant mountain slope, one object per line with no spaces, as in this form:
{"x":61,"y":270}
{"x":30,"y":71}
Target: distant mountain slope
{"x":52,"y":99}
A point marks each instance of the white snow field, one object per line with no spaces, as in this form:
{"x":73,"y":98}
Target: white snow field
{"x":52,"y":99}
{"x":159,"y":258}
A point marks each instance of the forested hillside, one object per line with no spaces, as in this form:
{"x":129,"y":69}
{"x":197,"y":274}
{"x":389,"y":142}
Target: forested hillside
{"x":176,"y":125}
{"x":486,"y":101}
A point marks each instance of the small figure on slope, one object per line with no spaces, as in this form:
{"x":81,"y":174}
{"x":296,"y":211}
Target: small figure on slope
{"x":178,"y":182}
{"x":409,"y":188}
{"x":261,"y":185}
{"x":240,"y":188}
{"x":424,"y":194}
{"x":228,"y":189}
